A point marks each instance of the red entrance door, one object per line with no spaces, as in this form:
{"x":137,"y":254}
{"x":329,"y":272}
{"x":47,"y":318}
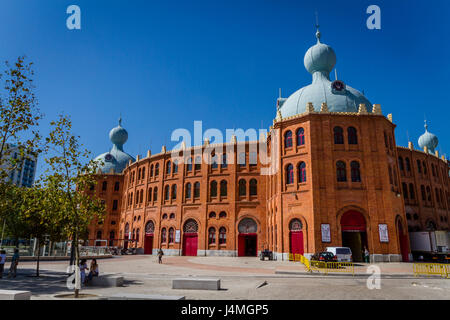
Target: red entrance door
{"x":190,"y":241}
{"x":297,"y":242}
{"x":247,"y":245}
{"x":125,"y":243}
{"x":148,"y":244}
{"x":403,"y":239}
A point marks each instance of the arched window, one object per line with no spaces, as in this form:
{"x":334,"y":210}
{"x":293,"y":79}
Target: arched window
{"x":198,"y":163}
{"x":188,"y":191}
{"x":242,"y":187}
{"x":408,"y":164}
{"x":104,"y":185}
{"x":139,"y":174}
{"x":355,"y":171}
{"x":143,"y":173}
{"x":164,"y":216}
{"x":352,"y":135}
{"x":168,"y":167}
{"x":141,"y":199}
{"x":175,"y":166}
{"x":166,"y":192}
{"x":223,"y":188}
{"x":112,"y":236}
{"x":422,"y":191}
{"x":172,"y":216}
{"x":419,"y":166}
{"x":211,"y":236}
{"x":400,"y":163}
{"x":214,"y":164}
{"x":116,"y":186}
{"x":429,"y":193}
{"x":424,"y":168}
{"x":212,"y":214}
{"x":288,"y":139}
{"x":99,"y":235}
{"x":137,"y":197}
{"x":222,"y":214}
{"x":300,"y":137}
{"x":155,"y":194}
{"x":224,"y":161}
{"x":302,"y":172}
{"x":189,"y":165}
{"x":137,"y":234}
{"x":290,"y":174}
{"x":341,"y":171}
{"x":171,"y":235}
{"x":174,"y":192}
{"x":213,"y":189}
{"x":253,"y":187}
{"x":253,"y":158}
{"x":412,"y":193}
{"x":405,"y":190}
{"x":163,"y":235}
{"x":156,"y":169}
{"x":149,"y":195}
{"x":241,"y":159}
{"x":197,"y":190}
{"x":151,"y":171}
{"x":338,"y":135}
{"x":385,"y":140}
{"x":222,"y":235}
{"x":395,"y":177}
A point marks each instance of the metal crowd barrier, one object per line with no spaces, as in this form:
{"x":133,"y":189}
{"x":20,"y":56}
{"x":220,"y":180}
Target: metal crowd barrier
{"x":327,"y":267}
{"x":440,"y":269}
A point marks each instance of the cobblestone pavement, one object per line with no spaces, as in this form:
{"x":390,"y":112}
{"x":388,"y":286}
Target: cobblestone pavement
{"x":240,"y":278}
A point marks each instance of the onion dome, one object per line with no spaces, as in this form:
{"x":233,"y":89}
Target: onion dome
{"x":320,"y":60}
{"x":428,"y":140}
{"x":116,"y":159}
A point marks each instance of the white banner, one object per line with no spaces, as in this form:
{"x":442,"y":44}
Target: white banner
{"x":383,"y":231}
{"x":326,"y":232}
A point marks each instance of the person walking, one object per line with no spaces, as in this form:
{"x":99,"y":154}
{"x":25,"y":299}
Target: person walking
{"x":14,"y":262}
{"x":366,"y":255}
{"x":2,"y":262}
{"x":160,"y":254}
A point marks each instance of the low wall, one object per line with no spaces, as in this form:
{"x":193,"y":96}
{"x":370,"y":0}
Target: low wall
{"x":58,"y":258}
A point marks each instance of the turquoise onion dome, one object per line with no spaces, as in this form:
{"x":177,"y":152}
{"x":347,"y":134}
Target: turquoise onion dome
{"x":320,"y":60}
{"x":116,"y":159}
{"x":428,"y":140}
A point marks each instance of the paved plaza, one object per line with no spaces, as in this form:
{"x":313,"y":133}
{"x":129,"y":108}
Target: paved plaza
{"x":242,"y":278}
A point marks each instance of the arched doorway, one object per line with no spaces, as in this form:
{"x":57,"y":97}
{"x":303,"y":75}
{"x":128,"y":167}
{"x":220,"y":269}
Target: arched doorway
{"x":296,"y":237}
{"x":148,"y":240}
{"x":190,"y":238}
{"x":403,"y":240}
{"x":247,"y":239}
{"x":354,"y":236}
{"x":126,"y":236}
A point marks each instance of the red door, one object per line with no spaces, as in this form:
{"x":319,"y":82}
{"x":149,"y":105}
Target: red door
{"x":190,"y":244}
{"x":297,"y":242}
{"x":241,"y":245}
{"x":148,"y":244}
{"x":247,"y":245}
{"x":404,"y":248}
{"x":125,"y":243}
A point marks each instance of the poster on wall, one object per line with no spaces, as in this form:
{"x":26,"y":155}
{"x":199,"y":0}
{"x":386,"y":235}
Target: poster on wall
{"x":177,"y":236}
{"x":383,"y":230}
{"x":326,"y":233}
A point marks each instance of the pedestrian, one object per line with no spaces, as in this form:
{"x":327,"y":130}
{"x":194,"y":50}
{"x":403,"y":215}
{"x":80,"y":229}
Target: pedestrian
{"x":2,"y":262}
{"x":83,"y":267}
{"x":366,"y":255}
{"x":93,"y":270}
{"x":14,"y":262}
{"x":160,"y":254}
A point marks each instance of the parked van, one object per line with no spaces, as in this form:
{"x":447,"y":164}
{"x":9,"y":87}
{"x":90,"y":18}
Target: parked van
{"x":343,"y":254}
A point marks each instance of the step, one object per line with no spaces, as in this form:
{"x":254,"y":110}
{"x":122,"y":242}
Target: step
{"x":196,"y":284}
{"x":14,"y":295}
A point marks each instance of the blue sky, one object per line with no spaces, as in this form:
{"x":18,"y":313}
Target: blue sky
{"x":164,"y":64}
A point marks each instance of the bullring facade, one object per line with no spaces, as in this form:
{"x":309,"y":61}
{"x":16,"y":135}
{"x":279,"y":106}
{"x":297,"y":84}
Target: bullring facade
{"x":340,"y":180}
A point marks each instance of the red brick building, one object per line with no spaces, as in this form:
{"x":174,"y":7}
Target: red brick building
{"x":337,"y":178}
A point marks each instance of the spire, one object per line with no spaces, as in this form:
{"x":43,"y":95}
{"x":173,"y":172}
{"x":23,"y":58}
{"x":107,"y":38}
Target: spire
{"x":120,"y":120}
{"x":426,"y":125}
{"x":317,"y":27}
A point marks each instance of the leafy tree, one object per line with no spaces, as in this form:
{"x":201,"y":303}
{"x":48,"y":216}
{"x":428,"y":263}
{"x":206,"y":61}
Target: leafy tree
{"x":10,"y":205}
{"x":19,"y":115}
{"x":70,"y":173}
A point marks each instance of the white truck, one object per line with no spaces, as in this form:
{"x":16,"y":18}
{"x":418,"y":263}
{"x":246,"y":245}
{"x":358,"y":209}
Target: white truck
{"x":430,"y":245}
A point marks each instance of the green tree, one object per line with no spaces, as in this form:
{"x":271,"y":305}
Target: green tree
{"x":19,"y":115}
{"x":70,"y":174}
{"x":11,"y":202}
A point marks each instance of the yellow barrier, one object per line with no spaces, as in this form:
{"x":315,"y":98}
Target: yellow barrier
{"x":291,"y":257}
{"x":297,"y":257}
{"x":327,"y":267}
{"x":440,"y":269}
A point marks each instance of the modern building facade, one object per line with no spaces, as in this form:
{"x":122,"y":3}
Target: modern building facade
{"x":22,"y":174}
{"x":339,"y":180}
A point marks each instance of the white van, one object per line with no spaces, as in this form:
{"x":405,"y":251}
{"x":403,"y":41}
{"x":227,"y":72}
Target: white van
{"x":342,"y":253}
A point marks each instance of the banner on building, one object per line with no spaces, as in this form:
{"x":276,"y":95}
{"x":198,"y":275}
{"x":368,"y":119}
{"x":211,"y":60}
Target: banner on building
{"x":383,"y":231}
{"x":326,"y":232}
{"x":177,"y":236}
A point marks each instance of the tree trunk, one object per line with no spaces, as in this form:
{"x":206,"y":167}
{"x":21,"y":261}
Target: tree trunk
{"x":38,"y":255}
{"x":77,"y":263}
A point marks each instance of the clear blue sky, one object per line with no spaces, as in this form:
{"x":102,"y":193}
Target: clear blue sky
{"x":164,"y":64}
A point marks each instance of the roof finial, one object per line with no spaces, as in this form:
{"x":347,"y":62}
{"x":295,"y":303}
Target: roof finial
{"x":335,"y":74}
{"x":426,"y":125}
{"x":279,"y":92}
{"x":317,"y":27}
{"x":120,"y":120}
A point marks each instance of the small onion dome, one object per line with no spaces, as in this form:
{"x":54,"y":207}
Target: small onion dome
{"x":428,"y":140}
